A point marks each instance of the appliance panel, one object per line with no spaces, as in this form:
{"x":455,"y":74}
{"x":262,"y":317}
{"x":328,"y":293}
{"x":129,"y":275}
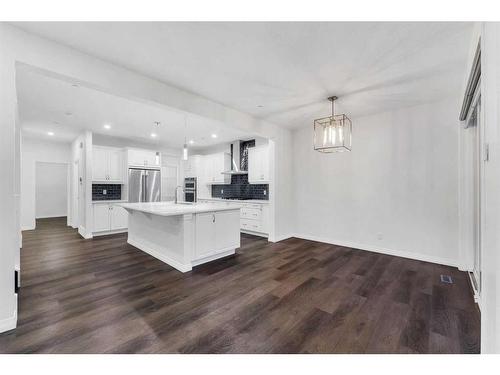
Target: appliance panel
{"x":135,"y":185}
{"x":152,"y":186}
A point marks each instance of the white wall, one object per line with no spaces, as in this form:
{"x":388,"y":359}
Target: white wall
{"x":51,"y":195}
{"x":396,"y":192}
{"x":33,"y":151}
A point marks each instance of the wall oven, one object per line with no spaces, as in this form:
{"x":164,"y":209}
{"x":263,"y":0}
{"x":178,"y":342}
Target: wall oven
{"x":190,"y":189}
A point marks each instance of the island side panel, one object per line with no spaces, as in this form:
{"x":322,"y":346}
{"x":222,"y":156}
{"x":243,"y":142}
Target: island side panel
{"x":161,"y":236}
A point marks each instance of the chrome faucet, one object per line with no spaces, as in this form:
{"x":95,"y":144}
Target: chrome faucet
{"x":177,"y":187}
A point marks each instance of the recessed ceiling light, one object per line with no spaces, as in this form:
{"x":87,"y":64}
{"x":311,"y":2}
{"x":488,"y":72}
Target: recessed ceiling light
{"x":75,"y":85}
{"x":68,"y":114}
{"x":50,"y":133}
{"x":191,"y":141}
{"x":260,"y":106}
{"x":214,"y":135}
{"x":107,"y":126}
{"x":153,"y":135}
{"x":55,"y":122}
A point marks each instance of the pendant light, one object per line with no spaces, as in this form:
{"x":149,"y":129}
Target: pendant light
{"x":185,"y":148}
{"x":333,"y":133}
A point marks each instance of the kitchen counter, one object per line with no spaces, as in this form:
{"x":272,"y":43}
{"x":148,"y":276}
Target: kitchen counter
{"x":257,"y":201}
{"x":184,"y":235}
{"x":172,"y":209}
{"x":111,"y":201}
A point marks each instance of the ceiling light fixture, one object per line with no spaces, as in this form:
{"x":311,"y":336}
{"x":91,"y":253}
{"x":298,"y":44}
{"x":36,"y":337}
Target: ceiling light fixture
{"x":185,"y":147}
{"x":214,"y":135}
{"x":153,"y":135}
{"x":107,"y":126}
{"x":68,"y":114}
{"x":50,"y":133}
{"x":191,"y":141}
{"x":333,"y":133}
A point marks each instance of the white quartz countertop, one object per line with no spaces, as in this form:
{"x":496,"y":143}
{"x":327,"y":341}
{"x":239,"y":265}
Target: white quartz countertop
{"x":172,"y":209}
{"x":110,"y":201}
{"x":241,"y":201}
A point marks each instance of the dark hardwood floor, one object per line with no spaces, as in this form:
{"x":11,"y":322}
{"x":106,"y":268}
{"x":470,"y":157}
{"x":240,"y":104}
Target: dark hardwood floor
{"x":295,"y":296}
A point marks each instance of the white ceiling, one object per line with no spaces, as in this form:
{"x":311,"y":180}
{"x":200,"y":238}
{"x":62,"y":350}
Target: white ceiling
{"x":48,"y":104}
{"x":288,"y":68}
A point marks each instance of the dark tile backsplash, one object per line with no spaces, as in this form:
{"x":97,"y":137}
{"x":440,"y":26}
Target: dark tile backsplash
{"x":113,"y":192}
{"x":241,"y":189}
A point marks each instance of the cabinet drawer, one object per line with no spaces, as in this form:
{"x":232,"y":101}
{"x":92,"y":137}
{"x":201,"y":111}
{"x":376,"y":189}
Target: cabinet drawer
{"x":253,"y":205}
{"x":252,"y":225}
{"x":251,"y":213}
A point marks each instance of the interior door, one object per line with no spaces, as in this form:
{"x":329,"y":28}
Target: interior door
{"x":474,"y":171}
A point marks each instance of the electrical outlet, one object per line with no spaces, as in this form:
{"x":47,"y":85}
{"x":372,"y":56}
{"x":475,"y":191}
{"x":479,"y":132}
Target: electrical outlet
{"x":104,"y":192}
{"x":222,"y":191}
{"x":265,"y":192}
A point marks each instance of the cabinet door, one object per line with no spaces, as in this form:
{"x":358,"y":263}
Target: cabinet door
{"x":205,"y":238}
{"x":115,"y":158}
{"x":227,"y":230}
{"x":258,"y":165}
{"x":264,"y":163}
{"x":99,"y":164}
{"x":152,"y":159}
{"x":221,"y":162}
{"x":253,"y":164}
{"x":119,"y":217}
{"x":101,"y":217}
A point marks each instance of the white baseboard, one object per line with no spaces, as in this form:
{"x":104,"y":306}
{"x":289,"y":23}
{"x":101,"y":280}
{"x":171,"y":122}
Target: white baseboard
{"x":381,"y":250}
{"x":9,"y":323}
{"x":210,"y":258}
{"x":282,"y":237}
{"x":171,"y":262}
{"x":83,"y":232}
{"x":107,"y":233}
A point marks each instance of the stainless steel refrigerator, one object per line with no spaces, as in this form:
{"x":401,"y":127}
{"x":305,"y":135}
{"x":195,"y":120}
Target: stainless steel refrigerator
{"x":144,"y":185}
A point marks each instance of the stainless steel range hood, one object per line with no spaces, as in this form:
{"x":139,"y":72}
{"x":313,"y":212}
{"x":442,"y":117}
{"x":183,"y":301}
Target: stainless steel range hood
{"x":235,"y":160}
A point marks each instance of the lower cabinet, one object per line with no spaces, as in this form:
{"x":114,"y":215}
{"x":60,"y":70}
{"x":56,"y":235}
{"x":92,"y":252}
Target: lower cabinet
{"x":254,"y":218}
{"x":109,"y":217}
{"x":216,"y":232}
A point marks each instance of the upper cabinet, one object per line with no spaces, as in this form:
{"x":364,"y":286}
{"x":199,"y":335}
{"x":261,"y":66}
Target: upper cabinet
{"x":143,"y":158}
{"x":214,"y":165}
{"x":258,"y":165}
{"x":107,"y":165}
{"x":208,"y":168}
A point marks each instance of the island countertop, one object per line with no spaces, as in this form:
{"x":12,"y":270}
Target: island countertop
{"x":172,"y":209}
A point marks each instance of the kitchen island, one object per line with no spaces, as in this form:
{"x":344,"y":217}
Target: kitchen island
{"x":184,"y":235}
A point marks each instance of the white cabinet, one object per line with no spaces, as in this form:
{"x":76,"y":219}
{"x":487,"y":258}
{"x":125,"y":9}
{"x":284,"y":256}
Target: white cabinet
{"x":214,"y":165}
{"x":118,"y":218}
{"x":193,"y":167}
{"x":216,"y":232}
{"x":143,"y":158}
{"x":101,"y":217}
{"x":109,"y":217}
{"x":205,"y":239}
{"x":258,"y":165}
{"x":107,"y":164}
{"x":254,"y":218}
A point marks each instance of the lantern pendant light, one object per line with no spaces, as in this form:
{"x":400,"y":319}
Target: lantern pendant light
{"x":185,"y":148}
{"x":333,"y":133}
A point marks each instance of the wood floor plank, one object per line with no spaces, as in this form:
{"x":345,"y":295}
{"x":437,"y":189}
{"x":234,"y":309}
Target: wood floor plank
{"x":295,"y":296}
